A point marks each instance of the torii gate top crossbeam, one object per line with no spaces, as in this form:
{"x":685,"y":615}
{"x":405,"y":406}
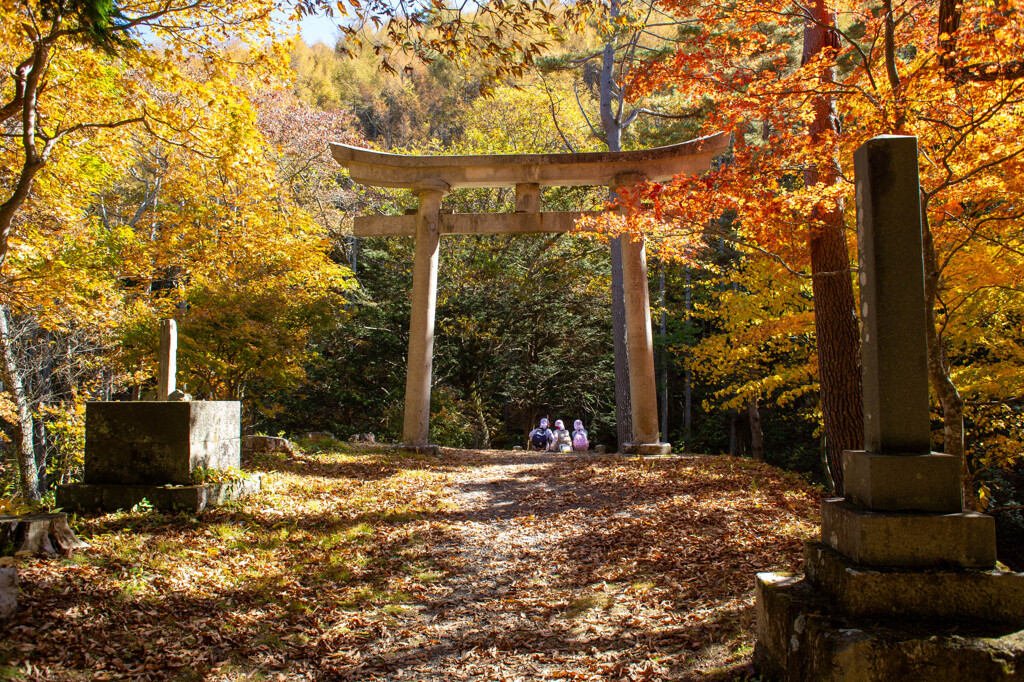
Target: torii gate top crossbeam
{"x":381,"y":169}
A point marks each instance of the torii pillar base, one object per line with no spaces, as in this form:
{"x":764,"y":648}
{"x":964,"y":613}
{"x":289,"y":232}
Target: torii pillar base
{"x":647,"y":449}
{"x":431,"y":450}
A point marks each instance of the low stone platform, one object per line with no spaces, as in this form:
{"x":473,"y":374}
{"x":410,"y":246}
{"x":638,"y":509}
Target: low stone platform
{"x":106,"y":497}
{"x":801,"y":637}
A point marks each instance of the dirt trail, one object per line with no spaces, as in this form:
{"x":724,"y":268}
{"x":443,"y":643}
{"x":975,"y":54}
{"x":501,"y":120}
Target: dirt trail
{"x":516,"y":605}
{"x":374,"y":565}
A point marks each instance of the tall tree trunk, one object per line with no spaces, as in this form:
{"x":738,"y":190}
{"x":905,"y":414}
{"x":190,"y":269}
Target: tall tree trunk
{"x":835,"y":314}
{"x":688,"y":376}
{"x":663,"y":352}
{"x":756,"y":435}
{"x":23,"y":442}
{"x":734,"y":436}
{"x":938,"y":368}
{"x":613,"y":136}
{"x":623,"y":401}
{"x":484,"y":439}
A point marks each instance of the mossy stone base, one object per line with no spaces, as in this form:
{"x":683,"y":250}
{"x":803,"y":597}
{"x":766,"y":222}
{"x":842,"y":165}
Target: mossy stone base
{"x":97,"y":497}
{"x":802,"y":637}
{"x":990,"y":596}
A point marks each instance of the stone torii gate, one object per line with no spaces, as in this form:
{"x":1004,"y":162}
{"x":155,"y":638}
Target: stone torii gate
{"x":431,"y":177}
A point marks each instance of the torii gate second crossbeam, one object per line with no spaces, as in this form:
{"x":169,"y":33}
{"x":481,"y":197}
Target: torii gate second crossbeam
{"x":431,"y":177}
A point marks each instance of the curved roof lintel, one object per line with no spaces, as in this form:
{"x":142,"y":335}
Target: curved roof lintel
{"x":383,"y":169}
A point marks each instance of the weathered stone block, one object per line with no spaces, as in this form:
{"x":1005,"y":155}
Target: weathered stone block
{"x":79,"y":497}
{"x":8,"y":591}
{"x":799,"y":638}
{"x":216,"y":454}
{"x":198,"y":420}
{"x":861,"y":591}
{"x":136,"y":462}
{"x":964,"y":540}
{"x":156,"y":443}
{"x":922,"y":483}
{"x":267,"y":444}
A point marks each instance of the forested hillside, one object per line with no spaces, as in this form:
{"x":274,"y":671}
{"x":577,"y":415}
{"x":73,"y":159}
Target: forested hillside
{"x":181,"y":171}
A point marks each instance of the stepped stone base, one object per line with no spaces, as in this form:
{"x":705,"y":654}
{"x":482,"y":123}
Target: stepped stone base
{"x":862,"y":591}
{"x":962,"y":540}
{"x":911,"y":483}
{"x":92,"y":497}
{"x":800,"y":637}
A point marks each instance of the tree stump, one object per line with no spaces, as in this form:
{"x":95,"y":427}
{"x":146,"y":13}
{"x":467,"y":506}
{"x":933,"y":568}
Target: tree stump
{"x":8,"y":591}
{"x":47,"y":534}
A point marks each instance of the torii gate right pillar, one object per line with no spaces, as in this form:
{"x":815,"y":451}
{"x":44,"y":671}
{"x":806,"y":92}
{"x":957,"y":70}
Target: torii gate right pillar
{"x":416,"y":426}
{"x":643,"y":393}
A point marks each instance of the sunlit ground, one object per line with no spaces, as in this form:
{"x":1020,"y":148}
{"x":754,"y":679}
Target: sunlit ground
{"x":372,"y":565}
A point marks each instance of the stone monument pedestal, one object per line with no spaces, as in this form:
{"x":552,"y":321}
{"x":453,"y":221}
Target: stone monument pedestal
{"x":150,"y":450}
{"x":894,"y":595}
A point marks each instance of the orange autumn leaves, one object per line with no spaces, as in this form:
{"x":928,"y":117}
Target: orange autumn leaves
{"x":891,"y":76}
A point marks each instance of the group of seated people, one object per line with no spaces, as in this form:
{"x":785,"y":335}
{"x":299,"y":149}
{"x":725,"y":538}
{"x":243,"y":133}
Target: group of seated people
{"x":559,"y":439}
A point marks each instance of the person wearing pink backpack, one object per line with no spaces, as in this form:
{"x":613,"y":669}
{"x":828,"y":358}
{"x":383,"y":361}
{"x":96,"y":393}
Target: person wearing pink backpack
{"x":580,"y":443}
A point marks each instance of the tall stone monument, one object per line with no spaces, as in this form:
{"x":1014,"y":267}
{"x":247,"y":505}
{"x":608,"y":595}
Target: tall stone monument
{"x":167,"y":367}
{"x":903,"y":583}
{"x":153,"y":450}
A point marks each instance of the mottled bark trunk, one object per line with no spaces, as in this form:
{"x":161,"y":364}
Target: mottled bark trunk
{"x":613,"y":136}
{"x":957,"y":68}
{"x":27,"y":78}
{"x":756,"y":435}
{"x":938,"y":368}
{"x":663,"y":354}
{"x":484,"y":439}
{"x":835,"y":315}
{"x":23,"y":427}
{"x":623,"y":402}
{"x":688,"y":374}
{"x":734,"y":433}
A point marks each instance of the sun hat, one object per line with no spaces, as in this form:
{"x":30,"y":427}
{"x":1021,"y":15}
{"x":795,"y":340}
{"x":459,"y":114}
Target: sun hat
{"x":544,"y":423}
{"x":578,"y":424}
{"x":559,"y":424}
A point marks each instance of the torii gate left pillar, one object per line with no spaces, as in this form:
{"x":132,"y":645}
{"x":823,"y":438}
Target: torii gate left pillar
{"x":432,"y":177}
{"x":419,"y":374}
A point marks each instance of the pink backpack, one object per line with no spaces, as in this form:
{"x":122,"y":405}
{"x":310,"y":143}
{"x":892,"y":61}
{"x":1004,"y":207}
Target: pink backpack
{"x":579,"y":440}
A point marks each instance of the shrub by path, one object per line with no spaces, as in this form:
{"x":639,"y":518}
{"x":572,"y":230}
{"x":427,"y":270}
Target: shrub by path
{"x":478,"y":565}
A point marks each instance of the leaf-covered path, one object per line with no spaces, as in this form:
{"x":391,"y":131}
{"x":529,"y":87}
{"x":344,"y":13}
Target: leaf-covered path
{"x":476,"y":565}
